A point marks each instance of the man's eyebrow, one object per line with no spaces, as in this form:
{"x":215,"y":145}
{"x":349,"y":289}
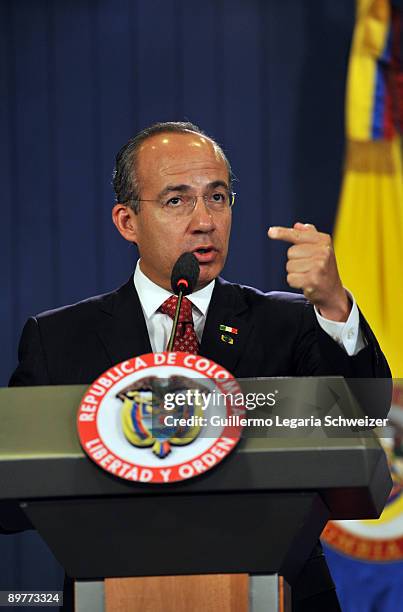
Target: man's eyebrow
{"x":169,"y":188}
{"x":215,"y":184}
{"x":183,"y":188}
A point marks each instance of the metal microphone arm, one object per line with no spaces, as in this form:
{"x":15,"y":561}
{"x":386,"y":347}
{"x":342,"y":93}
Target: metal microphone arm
{"x":175,"y":323}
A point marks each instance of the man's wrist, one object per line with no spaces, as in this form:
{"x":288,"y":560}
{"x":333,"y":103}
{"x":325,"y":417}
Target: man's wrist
{"x":339,"y":311}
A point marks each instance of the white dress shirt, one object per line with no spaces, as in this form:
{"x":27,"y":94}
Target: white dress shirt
{"x":348,"y":335}
{"x":159,"y":325}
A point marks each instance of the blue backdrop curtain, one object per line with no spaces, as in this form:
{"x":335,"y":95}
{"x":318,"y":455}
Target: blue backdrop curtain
{"x":79,"y":77}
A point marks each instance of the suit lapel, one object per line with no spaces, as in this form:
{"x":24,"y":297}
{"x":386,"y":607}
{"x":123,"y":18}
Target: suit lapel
{"x":226,"y":308}
{"x":122,"y":328}
{"x":123,"y":331}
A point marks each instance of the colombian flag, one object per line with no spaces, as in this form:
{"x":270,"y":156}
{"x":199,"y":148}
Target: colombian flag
{"x":366,"y":557}
{"x":369,"y":225}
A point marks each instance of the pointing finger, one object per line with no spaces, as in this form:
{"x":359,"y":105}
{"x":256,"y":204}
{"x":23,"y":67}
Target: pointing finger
{"x":295,"y":236}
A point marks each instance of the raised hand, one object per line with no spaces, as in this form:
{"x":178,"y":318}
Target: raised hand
{"x":312,"y":267}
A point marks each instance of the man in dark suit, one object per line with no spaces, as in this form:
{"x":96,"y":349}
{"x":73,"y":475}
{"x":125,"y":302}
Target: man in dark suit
{"x":173,"y":191}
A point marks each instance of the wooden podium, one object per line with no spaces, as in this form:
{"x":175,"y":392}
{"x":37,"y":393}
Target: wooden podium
{"x":231,"y":539}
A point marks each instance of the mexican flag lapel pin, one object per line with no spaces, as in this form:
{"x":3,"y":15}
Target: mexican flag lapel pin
{"x":229,"y":330}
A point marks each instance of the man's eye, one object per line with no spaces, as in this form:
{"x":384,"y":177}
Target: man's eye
{"x":218,"y":197}
{"x":174,"y":202}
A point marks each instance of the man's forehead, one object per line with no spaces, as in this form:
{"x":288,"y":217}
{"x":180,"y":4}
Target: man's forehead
{"x":171,"y":149}
{"x":189,"y":158}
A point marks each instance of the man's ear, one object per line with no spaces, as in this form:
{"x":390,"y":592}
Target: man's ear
{"x":125,"y":220}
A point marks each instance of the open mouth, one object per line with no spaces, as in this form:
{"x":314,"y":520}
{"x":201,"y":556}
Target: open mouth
{"x":205,"y":254}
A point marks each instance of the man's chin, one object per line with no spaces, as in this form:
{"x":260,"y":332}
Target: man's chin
{"x":207,"y":274}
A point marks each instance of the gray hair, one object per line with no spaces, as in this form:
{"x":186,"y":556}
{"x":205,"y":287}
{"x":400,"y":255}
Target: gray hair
{"x":125,"y":180}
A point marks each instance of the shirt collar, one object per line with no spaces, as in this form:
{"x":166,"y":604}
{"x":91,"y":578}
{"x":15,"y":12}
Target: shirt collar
{"x":152,"y":296}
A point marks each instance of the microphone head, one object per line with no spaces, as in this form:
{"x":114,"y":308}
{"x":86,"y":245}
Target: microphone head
{"x":185,"y":274}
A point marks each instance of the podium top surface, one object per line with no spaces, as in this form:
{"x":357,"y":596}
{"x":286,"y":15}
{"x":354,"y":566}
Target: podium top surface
{"x":44,"y":459}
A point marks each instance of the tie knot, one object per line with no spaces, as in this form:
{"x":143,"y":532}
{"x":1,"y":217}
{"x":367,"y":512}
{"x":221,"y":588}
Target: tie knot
{"x":169,"y":307}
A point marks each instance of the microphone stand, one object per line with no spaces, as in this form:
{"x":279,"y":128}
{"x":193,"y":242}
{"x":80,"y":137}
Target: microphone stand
{"x":175,"y":323}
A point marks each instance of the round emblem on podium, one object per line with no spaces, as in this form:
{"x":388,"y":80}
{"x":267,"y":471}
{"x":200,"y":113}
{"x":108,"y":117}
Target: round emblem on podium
{"x":161,"y":417}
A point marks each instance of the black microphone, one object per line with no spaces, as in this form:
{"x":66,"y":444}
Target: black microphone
{"x":184,"y":277}
{"x":185,"y":274}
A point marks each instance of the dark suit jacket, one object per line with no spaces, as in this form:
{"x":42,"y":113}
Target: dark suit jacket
{"x":278,"y":335}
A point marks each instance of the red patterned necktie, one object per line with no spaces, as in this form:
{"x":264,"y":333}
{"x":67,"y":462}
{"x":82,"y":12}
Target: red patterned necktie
{"x":185,"y":337}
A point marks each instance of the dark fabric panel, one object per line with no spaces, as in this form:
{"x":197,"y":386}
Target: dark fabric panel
{"x":27,"y":563}
{"x":8,"y":297}
{"x":159,"y":73}
{"x":117,"y":113}
{"x":241,"y":133}
{"x":33,"y":199}
{"x":284,"y":41}
{"x":74,"y":148}
{"x":319,"y":120}
{"x":202,"y":41}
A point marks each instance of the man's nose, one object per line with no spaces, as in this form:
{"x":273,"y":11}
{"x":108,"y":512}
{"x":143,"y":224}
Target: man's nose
{"x":202,"y":217}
